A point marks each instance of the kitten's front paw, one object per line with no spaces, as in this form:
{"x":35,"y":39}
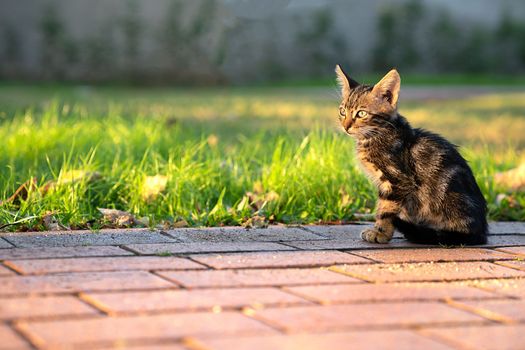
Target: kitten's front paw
{"x":372,"y":235}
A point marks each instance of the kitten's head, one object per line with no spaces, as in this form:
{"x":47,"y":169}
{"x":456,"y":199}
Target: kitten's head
{"x":366,"y":109}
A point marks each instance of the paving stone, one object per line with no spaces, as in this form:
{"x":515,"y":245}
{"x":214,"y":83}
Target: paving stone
{"x":511,"y":310}
{"x":240,"y":234}
{"x":85,"y":281}
{"x":5,"y":244}
{"x":82,"y":238}
{"x":61,"y":252}
{"x":513,"y":250}
{"x":344,"y":293}
{"x":351,"y":243}
{"x":507,"y":287}
{"x":4,"y":271}
{"x":139,"y":328}
{"x":505,"y":240}
{"x":490,"y":337}
{"x":256,"y":277}
{"x":339,"y":232}
{"x":373,"y":340}
{"x":10,"y":340}
{"x":510,"y":227}
{"x":339,"y":317}
{"x":190,"y":300}
{"x":35,"y":306}
{"x":206,"y":247}
{"x":446,"y":271}
{"x":433,"y":254}
{"x":514,"y":264}
{"x":44,"y":266}
{"x":150,"y":346}
{"x":277,"y":259}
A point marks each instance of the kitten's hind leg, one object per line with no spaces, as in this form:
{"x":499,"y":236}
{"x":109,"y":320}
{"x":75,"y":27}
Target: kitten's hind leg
{"x":383,"y":229}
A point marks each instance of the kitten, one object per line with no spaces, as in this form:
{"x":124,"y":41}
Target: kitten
{"x":426,"y":189}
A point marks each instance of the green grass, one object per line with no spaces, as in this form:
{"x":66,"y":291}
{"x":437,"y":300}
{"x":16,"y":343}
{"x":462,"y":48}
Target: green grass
{"x":229,"y":154}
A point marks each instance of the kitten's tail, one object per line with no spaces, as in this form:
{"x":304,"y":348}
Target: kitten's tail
{"x":424,"y":235}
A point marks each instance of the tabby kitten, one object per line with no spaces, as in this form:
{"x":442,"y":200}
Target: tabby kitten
{"x":426,"y":189}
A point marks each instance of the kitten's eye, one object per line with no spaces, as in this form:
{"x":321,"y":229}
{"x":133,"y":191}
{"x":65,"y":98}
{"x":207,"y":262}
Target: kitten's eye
{"x":342,"y":112}
{"x":362,"y":114}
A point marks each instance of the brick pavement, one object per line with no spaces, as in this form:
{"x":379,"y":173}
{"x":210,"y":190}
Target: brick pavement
{"x":310,"y":287}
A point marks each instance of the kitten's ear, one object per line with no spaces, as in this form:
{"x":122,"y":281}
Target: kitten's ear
{"x":388,"y":87}
{"x":345,"y":82}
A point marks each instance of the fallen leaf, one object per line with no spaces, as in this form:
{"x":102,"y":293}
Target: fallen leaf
{"x":513,"y":179}
{"x":256,"y":221}
{"x":117,"y":218}
{"x":212,"y":140}
{"x":153,"y":186}
{"x":21,"y":192}
{"x":72,"y":176}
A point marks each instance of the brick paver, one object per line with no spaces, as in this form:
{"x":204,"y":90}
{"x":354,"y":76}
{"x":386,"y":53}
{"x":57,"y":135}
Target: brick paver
{"x":364,"y":316}
{"x":49,"y":306}
{"x":5,"y":244}
{"x":44,"y":266}
{"x":277,"y":259}
{"x":177,"y":300}
{"x":204,"y":247}
{"x":239,"y":234}
{"x":61,"y":252}
{"x":507,"y":287}
{"x":345,"y":293}
{"x":446,"y":271}
{"x":433,"y":254}
{"x":74,"y":282}
{"x":81,"y":238}
{"x":520,"y":251}
{"x":373,"y":340}
{"x":311,"y":287}
{"x":490,"y":337}
{"x":256,"y":277}
{"x":10,"y":340}
{"x":136,"y":328}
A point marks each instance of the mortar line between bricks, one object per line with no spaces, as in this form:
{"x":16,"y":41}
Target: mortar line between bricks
{"x":442,"y":340}
{"x":504,"y":264}
{"x":252,"y":314}
{"x":360,"y":256}
{"x":494,"y":291}
{"x":128,"y":249}
{"x":487,"y":314}
{"x":8,"y":266}
{"x":83,"y":298}
{"x":34,"y":341}
{"x":174,"y":282}
{"x":11,"y":244}
{"x":311,"y":231}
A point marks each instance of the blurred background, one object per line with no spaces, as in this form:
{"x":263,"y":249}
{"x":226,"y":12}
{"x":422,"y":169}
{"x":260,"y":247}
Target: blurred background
{"x":204,"y":42}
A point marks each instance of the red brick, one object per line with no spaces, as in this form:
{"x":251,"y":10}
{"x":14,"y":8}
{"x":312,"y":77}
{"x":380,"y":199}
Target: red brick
{"x":35,"y":306}
{"x":4,"y":271}
{"x":493,"y":337}
{"x":506,"y":310}
{"x":519,"y":265}
{"x":61,"y":252}
{"x":119,"y":330}
{"x":339,"y":317}
{"x":506,"y":287}
{"x":43,"y":266}
{"x":519,"y":250}
{"x":432,"y":254}
{"x":373,"y":340}
{"x":100,"y":281}
{"x":278,"y":259}
{"x":447,"y":271}
{"x":256,"y":277}
{"x":328,"y":294}
{"x":10,"y":340}
{"x":166,"y":345}
{"x":190,"y":300}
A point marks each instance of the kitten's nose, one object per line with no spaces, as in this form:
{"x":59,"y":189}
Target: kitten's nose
{"x":347,"y":124}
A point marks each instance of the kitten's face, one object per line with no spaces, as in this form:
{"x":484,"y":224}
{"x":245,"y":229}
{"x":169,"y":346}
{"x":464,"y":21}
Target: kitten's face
{"x":365,"y":110}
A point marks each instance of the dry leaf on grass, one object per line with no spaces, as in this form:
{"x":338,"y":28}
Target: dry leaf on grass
{"x":513,"y":179}
{"x":256,"y":221}
{"x":72,"y":176}
{"x":153,"y":186}
{"x":118,"y":218}
{"x":21,"y":192}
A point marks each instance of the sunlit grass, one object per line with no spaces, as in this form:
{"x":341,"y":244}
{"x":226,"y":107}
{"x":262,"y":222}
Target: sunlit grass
{"x":219,"y":148}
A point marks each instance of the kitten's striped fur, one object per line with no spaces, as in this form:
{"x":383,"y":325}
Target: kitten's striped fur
{"x":426,"y":189}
